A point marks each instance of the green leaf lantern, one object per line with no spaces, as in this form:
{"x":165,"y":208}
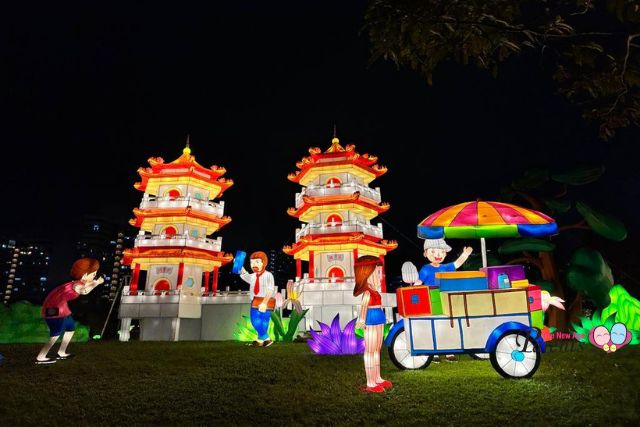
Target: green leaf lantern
{"x":602,"y":224}
{"x":526,"y":244}
{"x":532,"y":178}
{"x":580,"y":176}
{"x":589,"y":273}
{"x":624,"y":306}
{"x":558,"y":205}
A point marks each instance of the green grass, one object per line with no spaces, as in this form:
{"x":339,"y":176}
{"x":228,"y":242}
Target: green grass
{"x":229,"y":383}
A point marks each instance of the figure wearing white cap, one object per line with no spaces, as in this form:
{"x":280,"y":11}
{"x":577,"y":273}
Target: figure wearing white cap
{"x":435,"y":250}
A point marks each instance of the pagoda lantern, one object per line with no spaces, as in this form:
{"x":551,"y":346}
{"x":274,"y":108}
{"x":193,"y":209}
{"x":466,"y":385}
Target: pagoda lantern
{"x":176,"y":217}
{"x":336,"y":206}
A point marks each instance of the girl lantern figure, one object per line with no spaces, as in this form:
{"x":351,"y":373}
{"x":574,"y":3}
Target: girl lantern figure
{"x":55,"y":309}
{"x":368,"y":272}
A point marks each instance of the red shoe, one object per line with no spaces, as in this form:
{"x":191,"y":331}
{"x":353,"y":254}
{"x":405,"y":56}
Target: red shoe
{"x":375,"y":389}
{"x":386,"y":384}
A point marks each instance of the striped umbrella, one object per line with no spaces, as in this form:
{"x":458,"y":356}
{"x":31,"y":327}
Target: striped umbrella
{"x":482,"y":219}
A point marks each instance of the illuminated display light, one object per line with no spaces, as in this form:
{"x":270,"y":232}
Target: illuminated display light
{"x":486,"y":219}
{"x":336,"y":159}
{"x":185,"y":170}
{"x":148,"y":218}
{"x":21,"y":323}
{"x":302,"y":249}
{"x":332,"y":340}
{"x":623,"y":310}
{"x":315,"y":205}
{"x":245,"y":332}
{"x":182,"y":245}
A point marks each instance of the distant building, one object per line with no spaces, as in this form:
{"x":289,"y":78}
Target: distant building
{"x":100,"y":238}
{"x":282,"y":266}
{"x":25,"y":267}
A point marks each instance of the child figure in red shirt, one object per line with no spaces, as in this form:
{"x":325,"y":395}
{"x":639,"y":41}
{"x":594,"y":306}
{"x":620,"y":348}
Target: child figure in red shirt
{"x":56,"y":312}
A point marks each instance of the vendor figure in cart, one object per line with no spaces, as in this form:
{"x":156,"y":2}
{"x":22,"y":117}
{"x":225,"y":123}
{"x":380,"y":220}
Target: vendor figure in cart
{"x":435,"y":250}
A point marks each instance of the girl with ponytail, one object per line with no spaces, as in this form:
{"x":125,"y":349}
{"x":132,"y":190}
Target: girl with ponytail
{"x":368,"y":272}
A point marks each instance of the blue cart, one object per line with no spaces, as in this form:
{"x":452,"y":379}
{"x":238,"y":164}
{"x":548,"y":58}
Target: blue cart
{"x":514,"y":347}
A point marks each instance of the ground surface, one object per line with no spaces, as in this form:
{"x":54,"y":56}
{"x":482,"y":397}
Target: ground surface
{"x":229,"y":383}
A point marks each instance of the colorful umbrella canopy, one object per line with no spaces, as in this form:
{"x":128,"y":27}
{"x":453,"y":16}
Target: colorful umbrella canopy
{"x":481,"y":219}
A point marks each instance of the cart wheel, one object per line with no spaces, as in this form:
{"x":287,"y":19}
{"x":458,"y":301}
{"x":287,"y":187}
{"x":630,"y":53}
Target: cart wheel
{"x":400,"y":354}
{"x":480,"y":356}
{"x":516,"y":355}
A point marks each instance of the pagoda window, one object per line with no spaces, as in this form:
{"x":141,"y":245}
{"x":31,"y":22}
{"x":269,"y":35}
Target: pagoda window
{"x":198,"y":196}
{"x":189,"y":282}
{"x":334,"y":182}
{"x":334,"y":220}
{"x":170,"y":231}
{"x":161,"y":285}
{"x":335,"y":273}
{"x":194,"y":233}
{"x":172,"y":194}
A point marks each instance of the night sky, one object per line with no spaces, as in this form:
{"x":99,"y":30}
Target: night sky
{"x":93,"y":90}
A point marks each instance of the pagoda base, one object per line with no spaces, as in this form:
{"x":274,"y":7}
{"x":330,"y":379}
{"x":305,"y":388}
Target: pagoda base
{"x":172,"y":317}
{"x":326,"y":299}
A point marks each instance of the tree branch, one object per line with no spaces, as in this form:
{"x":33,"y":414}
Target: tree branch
{"x":531,"y":199}
{"x":581,"y":225}
{"x":625,"y":88}
{"x":529,"y":260}
{"x":562,"y":192}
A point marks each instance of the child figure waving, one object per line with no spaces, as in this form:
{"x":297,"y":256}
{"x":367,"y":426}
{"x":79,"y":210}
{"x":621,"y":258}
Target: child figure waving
{"x":368,"y":272}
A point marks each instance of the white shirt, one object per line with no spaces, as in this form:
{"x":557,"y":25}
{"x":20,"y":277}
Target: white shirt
{"x":266,"y":283}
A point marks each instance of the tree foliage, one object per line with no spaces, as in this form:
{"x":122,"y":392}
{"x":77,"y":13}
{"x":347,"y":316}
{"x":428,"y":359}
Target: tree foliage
{"x":588,"y":47}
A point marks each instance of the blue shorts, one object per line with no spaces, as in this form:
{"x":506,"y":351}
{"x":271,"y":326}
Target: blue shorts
{"x":59,"y":325}
{"x":375,"y":316}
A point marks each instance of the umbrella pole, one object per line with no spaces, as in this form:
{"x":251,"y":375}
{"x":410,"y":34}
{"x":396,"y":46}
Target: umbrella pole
{"x":483,"y":245}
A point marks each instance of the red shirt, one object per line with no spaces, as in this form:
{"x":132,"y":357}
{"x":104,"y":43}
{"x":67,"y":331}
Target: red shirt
{"x":57,"y":299}
{"x":374,"y":298}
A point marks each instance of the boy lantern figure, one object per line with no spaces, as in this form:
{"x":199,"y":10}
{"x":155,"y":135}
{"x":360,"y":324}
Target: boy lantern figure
{"x":55,"y":309}
{"x":435,"y":250}
{"x":261,"y":289}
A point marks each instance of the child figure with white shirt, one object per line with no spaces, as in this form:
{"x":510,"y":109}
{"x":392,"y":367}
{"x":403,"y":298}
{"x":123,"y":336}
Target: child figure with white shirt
{"x":261,"y":289}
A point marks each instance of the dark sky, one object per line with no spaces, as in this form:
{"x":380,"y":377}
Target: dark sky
{"x":95,"y":89}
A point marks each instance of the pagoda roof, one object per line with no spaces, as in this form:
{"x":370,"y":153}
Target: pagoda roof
{"x":300,"y":249}
{"x":336,"y":157}
{"x":342,"y":201}
{"x":173,"y":255}
{"x":184,"y":166}
{"x":174,"y":215}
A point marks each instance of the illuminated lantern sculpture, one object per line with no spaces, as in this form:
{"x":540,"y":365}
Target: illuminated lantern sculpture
{"x":176,"y":216}
{"x":336,"y":206}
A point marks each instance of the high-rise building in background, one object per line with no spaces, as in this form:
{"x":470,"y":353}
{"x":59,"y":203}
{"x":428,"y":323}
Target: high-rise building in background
{"x":25,"y":267}
{"x":282,"y":266}
{"x":97,"y":239}
{"x":104,"y":240}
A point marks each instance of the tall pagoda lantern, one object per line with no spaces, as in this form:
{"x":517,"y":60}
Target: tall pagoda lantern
{"x":176,"y":218}
{"x":336,"y":206}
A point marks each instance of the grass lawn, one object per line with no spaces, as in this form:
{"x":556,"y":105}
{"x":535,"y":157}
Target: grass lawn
{"x":229,"y":383}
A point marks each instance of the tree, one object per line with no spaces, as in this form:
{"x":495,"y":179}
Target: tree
{"x":586,"y":46}
{"x":587,"y":273}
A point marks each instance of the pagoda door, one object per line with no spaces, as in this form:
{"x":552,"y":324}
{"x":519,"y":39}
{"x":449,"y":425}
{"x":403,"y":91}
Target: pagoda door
{"x":336,"y":273}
